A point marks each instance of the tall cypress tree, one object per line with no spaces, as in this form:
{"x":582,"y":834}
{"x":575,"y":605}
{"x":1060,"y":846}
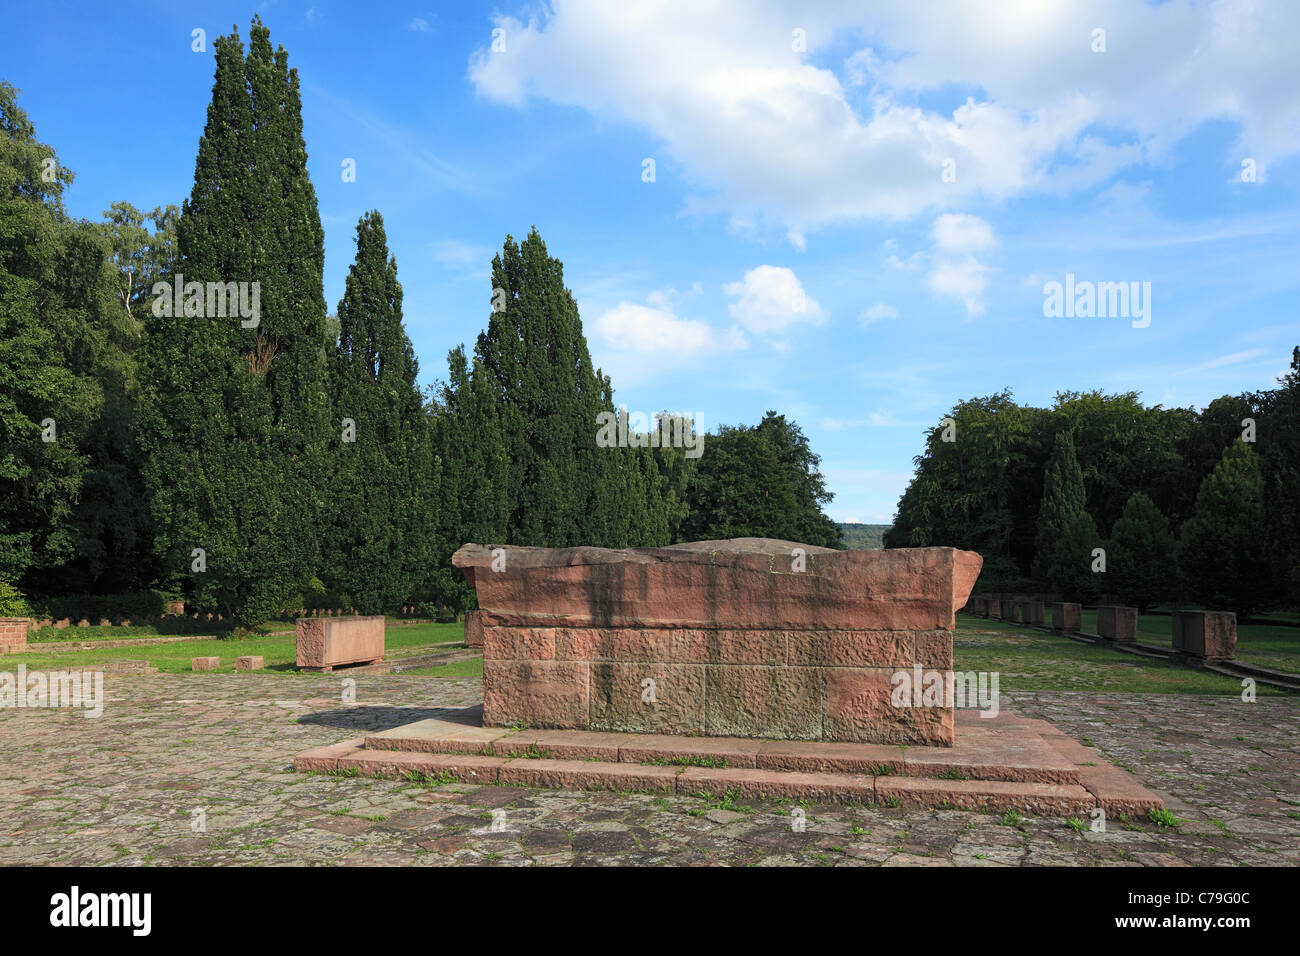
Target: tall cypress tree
{"x":378,"y":542}
{"x":561,"y":489}
{"x":233,"y":418}
{"x":1066,"y":532}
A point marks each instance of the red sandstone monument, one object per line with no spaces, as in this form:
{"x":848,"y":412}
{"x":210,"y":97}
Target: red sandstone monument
{"x":748,"y":637}
{"x":752,"y":666}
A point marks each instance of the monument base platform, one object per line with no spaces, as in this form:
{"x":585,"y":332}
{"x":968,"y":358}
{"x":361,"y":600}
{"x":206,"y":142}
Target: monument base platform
{"x":999,"y":763}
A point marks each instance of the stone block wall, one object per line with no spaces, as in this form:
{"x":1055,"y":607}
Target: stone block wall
{"x":13,"y":635}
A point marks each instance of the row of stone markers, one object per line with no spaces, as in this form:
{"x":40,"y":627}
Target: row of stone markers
{"x":1201,"y":635}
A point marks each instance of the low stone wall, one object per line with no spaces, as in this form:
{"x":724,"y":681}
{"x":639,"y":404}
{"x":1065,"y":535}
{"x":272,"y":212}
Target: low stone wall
{"x":13,"y":635}
{"x":326,"y":643}
{"x":1208,"y":635}
{"x":744,"y":638}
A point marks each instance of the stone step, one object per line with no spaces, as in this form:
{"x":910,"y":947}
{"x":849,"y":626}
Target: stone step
{"x":694,"y":781}
{"x":1007,"y":762}
{"x":1006,"y":749}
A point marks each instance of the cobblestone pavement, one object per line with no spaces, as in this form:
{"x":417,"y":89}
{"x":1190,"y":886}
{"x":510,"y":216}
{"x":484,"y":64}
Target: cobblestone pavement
{"x":124,"y":788}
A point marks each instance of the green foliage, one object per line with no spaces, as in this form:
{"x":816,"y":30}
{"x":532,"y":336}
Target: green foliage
{"x":1220,"y":554}
{"x":759,"y":482}
{"x":12,"y":602}
{"x":1140,"y":555}
{"x":531,"y":406}
{"x":42,"y":325}
{"x":984,"y":490}
{"x":381,"y":515}
{"x":232,"y":419}
{"x":862,"y":537}
{"x":1066,"y":533}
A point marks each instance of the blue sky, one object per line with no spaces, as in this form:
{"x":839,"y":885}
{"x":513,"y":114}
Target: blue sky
{"x":853,"y":213}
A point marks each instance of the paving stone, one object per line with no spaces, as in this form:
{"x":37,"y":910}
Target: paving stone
{"x":119,"y":782}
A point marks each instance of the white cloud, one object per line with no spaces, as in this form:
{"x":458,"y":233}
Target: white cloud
{"x":771,"y":299}
{"x":469,"y":259}
{"x":960,"y":233}
{"x":418,"y":24}
{"x":1235,"y":358}
{"x":962,"y":279}
{"x":877,"y":312}
{"x":765,"y":136}
{"x":957,"y":272}
{"x":656,"y":330}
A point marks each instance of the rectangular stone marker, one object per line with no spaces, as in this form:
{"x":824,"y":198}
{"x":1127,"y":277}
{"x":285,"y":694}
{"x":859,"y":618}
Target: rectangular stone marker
{"x":249,"y":663}
{"x":205,"y":663}
{"x":1067,"y":617}
{"x":982,"y":606}
{"x":1031,"y":612}
{"x":749,"y":637}
{"x":1117,"y":623}
{"x":474,"y":629}
{"x":1009,"y":609}
{"x":13,"y":635}
{"x":327,"y":643}
{"x":1209,"y":635}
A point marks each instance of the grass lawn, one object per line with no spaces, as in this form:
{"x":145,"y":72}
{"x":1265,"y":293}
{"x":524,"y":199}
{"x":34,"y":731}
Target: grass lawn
{"x":279,"y":651}
{"x":1026,"y":659}
{"x":1265,"y":645}
{"x":167,"y":627}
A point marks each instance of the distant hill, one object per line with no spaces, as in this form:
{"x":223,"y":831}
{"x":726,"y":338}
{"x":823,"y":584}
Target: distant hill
{"x":863,"y":537}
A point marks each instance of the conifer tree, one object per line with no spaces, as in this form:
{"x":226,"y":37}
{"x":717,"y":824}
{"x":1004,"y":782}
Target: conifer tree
{"x":232,"y":425}
{"x":1220,"y":549}
{"x":1066,"y":534}
{"x":378,"y":542}
{"x":561,"y":488}
{"x":1140,"y":555}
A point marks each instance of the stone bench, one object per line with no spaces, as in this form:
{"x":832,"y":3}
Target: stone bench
{"x":745,"y":638}
{"x":327,"y":643}
{"x":1208,"y":635}
{"x":1117,"y":623}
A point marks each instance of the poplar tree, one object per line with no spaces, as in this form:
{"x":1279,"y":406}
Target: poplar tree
{"x":233,"y":418}
{"x":381,"y":511}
